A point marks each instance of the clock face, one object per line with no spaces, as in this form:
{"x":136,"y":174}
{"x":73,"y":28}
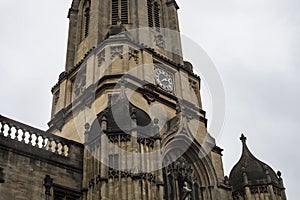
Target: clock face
{"x":163,"y":79}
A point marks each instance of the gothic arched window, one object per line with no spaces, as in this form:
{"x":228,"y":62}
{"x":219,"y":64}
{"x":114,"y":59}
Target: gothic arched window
{"x":119,"y":11}
{"x":86,"y":9}
{"x":153,"y":14}
{"x":180,"y":176}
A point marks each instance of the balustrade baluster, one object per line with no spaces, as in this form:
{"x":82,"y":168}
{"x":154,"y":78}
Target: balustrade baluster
{"x":66,"y":150}
{"x":2,"y":128}
{"x":43,"y":142}
{"x":63,"y":149}
{"x":56,"y":146}
{"x":50,"y":144}
{"x":20,"y":134}
{"x":24,"y":136}
{"x":9,"y":131}
{"x":17,"y":133}
{"x":37,"y":140}
{"x":30,"y":138}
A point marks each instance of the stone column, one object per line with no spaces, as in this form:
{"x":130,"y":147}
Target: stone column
{"x":85,"y":164}
{"x":270,"y":186}
{"x":246,"y":186}
{"x":158,"y":161}
{"x":135,"y":159}
{"x":103,"y":159}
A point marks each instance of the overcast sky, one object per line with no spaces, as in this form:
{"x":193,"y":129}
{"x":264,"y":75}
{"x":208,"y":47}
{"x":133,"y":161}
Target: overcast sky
{"x":254,"y":44}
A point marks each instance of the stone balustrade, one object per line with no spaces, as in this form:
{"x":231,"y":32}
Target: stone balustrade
{"x":14,"y":130}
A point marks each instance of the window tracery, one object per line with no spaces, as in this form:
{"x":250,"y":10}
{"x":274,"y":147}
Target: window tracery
{"x":180,"y":176}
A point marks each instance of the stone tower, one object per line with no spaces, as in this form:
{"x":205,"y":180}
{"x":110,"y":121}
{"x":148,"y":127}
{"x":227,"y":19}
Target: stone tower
{"x":129,"y":97}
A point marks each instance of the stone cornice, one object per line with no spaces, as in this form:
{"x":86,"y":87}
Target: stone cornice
{"x":10,"y":145}
{"x":67,"y":74}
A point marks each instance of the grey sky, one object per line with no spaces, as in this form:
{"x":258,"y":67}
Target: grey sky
{"x":254,"y":44}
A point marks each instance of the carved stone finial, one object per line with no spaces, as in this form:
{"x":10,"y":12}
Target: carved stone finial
{"x":104,"y":122}
{"x":243,"y":138}
{"x":104,"y":118}
{"x":279,"y":174}
{"x":226,"y":180}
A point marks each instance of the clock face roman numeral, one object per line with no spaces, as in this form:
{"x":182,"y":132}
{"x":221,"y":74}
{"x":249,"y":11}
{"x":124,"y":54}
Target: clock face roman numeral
{"x":163,"y":79}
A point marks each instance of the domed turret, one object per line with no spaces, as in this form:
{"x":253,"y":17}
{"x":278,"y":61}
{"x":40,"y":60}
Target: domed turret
{"x":251,"y":177}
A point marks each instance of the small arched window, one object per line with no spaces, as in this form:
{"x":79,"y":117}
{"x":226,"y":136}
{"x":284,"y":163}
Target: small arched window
{"x":119,"y":11}
{"x":86,"y":9}
{"x":153,"y":14}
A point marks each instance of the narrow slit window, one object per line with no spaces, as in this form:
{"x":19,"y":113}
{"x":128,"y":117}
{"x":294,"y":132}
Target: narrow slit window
{"x":156,"y":16}
{"x":153,"y":14}
{"x":86,"y":9}
{"x":124,"y":11}
{"x":119,"y":11}
{"x":114,"y":11}
{"x":150,"y":13}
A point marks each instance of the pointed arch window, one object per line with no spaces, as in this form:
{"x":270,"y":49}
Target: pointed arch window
{"x":119,"y":11}
{"x":86,"y":9}
{"x":153,"y":14}
{"x":180,"y":176}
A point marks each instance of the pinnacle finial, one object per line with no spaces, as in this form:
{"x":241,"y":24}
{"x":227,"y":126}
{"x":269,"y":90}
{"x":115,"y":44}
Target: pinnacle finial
{"x":279,"y":174}
{"x":243,"y":138}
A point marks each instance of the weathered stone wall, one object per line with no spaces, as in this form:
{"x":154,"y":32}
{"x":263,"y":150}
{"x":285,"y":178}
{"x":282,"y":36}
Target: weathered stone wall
{"x":25,"y":167}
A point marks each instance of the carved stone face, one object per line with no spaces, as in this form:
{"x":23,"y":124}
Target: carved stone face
{"x":163,"y":79}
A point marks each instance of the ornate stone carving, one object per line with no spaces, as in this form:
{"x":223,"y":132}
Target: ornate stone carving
{"x":134,"y":54}
{"x":101,"y":57}
{"x":79,"y":83}
{"x":113,"y":173}
{"x":113,"y":138}
{"x":124,"y":137}
{"x":160,"y":41}
{"x":116,"y":51}
{"x":146,"y":141}
{"x":125,"y":173}
{"x":119,"y":137}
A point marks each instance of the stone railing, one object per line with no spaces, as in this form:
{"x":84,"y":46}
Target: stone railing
{"x":25,"y":134}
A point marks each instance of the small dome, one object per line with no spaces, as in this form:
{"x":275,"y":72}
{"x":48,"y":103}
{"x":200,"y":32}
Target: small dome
{"x":256,"y":171}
